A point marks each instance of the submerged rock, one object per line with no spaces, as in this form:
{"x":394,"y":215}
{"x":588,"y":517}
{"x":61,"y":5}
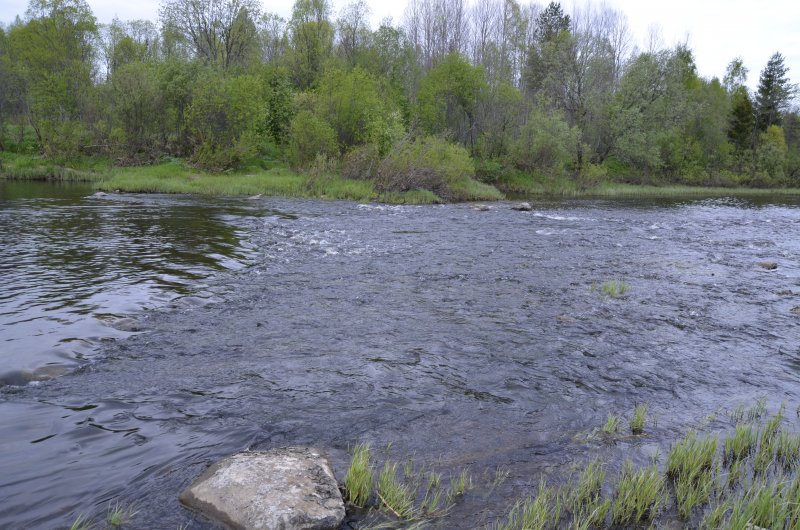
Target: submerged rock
{"x":292,"y":488}
{"x":522,"y":207}
{"x":796,"y":310}
{"x":482,"y":207}
{"x":768,"y":265}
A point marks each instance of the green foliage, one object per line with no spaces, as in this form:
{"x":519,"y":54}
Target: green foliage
{"x":136,"y":99}
{"x":546,"y":144}
{"x":774,"y":93}
{"x":223,"y":120}
{"x":640,"y":495}
{"x":612,"y":424}
{"x":535,"y":514}
{"x":448,"y":97}
{"x":352,"y":103}
{"x":615,"y":289}
{"x":395,"y":495}
{"x":690,"y":466}
{"x":770,"y":158}
{"x":311,"y":34}
{"x":358,"y":481}
{"x":435,"y":165}
{"x":309,"y":137}
{"x":638,"y":418}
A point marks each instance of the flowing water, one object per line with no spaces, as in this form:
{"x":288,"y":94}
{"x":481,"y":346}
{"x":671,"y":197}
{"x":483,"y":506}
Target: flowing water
{"x":191,"y":329}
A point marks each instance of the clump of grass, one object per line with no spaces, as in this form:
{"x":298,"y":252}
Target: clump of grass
{"x":395,"y":496}
{"x":458,"y":485}
{"x":584,"y":499}
{"x":433,"y":494}
{"x":737,"y":415}
{"x":741,"y":444}
{"x":612,"y":424}
{"x":358,"y":480}
{"x":614,"y":288}
{"x":758,"y":409}
{"x":118,"y":515}
{"x":690,"y":465}
{"x":82,"y":523}
{"x":535,"y":514}
{"x":762,"y":506}
{"x":768,"y":444}
{"x":788,"y":449}
{"x":639,"y":495}
{"x":638,"y":419}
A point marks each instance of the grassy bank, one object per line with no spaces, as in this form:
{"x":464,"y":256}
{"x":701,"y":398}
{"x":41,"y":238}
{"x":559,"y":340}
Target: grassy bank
{"x":175,"y":176}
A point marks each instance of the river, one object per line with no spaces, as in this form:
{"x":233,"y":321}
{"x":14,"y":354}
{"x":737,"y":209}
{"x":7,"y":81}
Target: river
{"x":144,"y":337}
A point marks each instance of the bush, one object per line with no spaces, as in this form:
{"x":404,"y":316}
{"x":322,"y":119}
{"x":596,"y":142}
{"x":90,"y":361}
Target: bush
{"x":361,"y":163}
{"x":223,"y":118}
{"x":435,"y":165}
{"x":546,"y":143}
{"x":310,"y":136}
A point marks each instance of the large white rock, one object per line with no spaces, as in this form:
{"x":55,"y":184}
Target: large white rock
{"x":281,"y":489}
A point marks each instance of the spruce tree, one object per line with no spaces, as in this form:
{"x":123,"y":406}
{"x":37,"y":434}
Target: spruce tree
{"x":742,"y":119}
{"x":774,"y":93}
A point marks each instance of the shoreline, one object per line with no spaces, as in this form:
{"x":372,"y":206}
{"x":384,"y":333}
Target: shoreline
{"x":176,"y":177}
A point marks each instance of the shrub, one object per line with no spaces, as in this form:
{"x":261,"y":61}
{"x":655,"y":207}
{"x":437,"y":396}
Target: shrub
{"x":546,"y":143}
{"x":361,"y":162}
{"x":429,"y":163}
{"x":310,"y":136}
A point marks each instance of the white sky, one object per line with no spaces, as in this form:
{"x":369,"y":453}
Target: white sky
{"x":717,"y":31}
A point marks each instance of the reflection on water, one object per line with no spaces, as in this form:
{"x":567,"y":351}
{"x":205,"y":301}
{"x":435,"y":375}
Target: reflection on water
{"x":463,"y":338}
{"x":74,"y":266}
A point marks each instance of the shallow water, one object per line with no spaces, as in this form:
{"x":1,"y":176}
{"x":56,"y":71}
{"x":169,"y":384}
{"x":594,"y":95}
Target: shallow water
{"x":463,"y":338}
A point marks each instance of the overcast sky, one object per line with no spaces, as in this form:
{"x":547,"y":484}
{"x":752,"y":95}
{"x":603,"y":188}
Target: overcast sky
{"x":717,"y":31}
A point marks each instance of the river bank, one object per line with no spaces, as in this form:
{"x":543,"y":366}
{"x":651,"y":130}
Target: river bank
{"x":175,"y":176}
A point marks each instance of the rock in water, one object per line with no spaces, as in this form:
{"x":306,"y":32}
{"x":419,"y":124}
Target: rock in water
{"x":287,"y":489}
{"x":769,"y":265}
{"x":522,"y":207}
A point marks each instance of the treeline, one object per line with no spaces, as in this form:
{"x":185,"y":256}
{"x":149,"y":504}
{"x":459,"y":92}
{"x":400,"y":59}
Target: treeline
{"x":521,"y":89}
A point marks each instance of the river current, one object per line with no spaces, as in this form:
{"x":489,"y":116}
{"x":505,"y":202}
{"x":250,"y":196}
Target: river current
{"x":187,"y":329}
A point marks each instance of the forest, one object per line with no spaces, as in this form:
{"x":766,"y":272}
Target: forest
{"x":492,"y":90}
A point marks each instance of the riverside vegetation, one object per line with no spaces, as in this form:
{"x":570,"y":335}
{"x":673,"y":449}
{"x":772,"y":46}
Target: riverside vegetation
{"x":459,"y":101}
{"x":743,"y":476}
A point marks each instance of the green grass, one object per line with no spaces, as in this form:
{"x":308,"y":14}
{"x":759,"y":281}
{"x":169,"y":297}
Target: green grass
{"x":614,"y":288}
{"x":740,"y":445}
{"x":612,"y":424}
{"x":640,"y":495}
{"x":395,"y":496}
{"x":638,"y":419}
{"x":458,"y":485}
{"x":358,"y":480}
{"x":690,"y":465}
{"x":82,"y":523}
{"x":118,"y":515}
{"x":538,"y":513}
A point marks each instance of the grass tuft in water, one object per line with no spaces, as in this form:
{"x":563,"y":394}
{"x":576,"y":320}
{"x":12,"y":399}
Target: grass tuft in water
{"x":539,"y":513}
{"x":584,"y":499}
{"x":82,"y":523}
{"x":740,"y":445}
{"x":638,"y":419}
{"x":640,"y":495}
{"x":395,"y":496}
{"x":690,"y":465}
{"x":614,"y":288}
{"x":612,"y":424}
{"x":458,"y":485}
{"x":118,"y":515}
{"x":358,"y":480}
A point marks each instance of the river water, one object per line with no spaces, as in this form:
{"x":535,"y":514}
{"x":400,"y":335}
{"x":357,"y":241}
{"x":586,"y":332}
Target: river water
{"x":187,"y":329}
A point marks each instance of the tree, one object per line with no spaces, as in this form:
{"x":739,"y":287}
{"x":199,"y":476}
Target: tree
{"x":53,"y":55}
{"x":773,"y":94}
{"x":735,"y":75}
{"x":353,"y":30}
{"x":312,"y":40}
{"x":448,"y":98}
{"x":742,"y":120}
{"x":221,"y":32}
{"x":551,"y":22}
